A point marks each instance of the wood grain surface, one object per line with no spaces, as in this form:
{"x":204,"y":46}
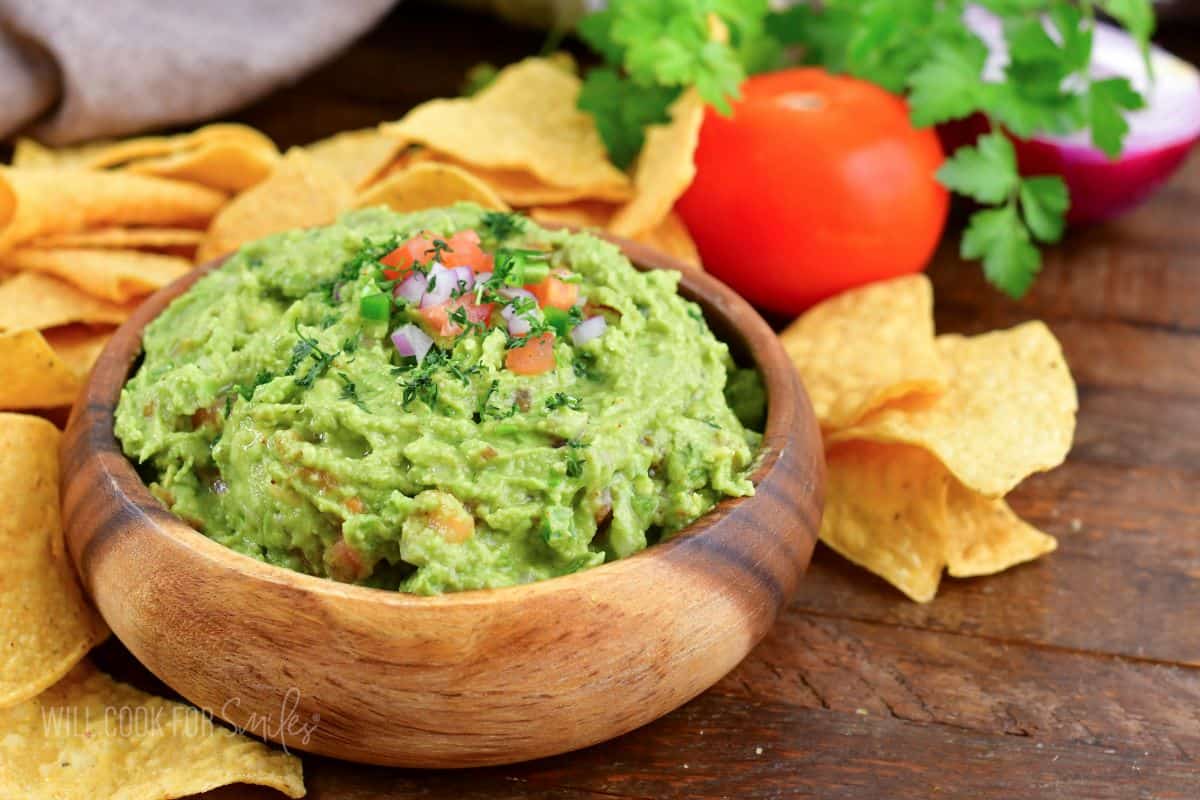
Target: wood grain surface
{"x":1073,"y":677}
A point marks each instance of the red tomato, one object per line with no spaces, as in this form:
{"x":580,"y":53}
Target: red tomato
{"x":532,"y":358}
{"x":553,"y":293}
{"x":465,"y":252}
{"x":402,"y":258}
{"x":437,"y":318}
{"x":815,"y":184}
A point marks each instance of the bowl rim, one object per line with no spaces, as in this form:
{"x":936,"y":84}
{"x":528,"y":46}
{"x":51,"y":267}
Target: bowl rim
{"x":789,"y":422}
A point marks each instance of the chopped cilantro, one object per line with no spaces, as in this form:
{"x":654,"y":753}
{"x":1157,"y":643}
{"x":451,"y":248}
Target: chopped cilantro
{"x":575,"y":464}
{"x":563,"y":400}
{"x":350,"y":391}
{"x":501,"y":225}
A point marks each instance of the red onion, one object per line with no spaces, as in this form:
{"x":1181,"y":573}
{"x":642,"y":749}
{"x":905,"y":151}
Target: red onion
{"x":464,"y":279}
{"x":1159,"y":139}
{"x":483,"y":277}
{"x":518,"y":325}
{"x":442,"y":282}
{"x":411,"y":341}
{"x":513,"y":292}
{"x":589,"y":329}
{"x":412,"y":288}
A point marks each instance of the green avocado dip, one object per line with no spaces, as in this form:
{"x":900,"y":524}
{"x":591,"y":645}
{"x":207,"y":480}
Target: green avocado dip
{"x":446,"y":400}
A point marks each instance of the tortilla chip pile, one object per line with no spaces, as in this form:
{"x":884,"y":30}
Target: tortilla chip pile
{"x":67,"y":729}
{"x":87,"y":232}
{"x":925,"y":435}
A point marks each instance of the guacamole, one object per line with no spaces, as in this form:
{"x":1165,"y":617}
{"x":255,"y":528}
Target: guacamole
{"x":430,"y":402}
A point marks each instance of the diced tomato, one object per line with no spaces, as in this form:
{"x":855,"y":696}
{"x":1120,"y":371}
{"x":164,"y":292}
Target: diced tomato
{"x":534,"y":357}
{"x":345,"y":563}
{"x":437,"y":318}
{"x":403,"y":257}
{"x":555,"y":293}
{"x":465,"y":252}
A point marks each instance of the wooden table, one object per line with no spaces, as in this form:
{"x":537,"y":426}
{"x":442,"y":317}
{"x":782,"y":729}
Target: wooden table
{"x":1074,"y":677}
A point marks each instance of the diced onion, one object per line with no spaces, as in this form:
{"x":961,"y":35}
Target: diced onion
{"x":518,"y":325}
{"x":513,"y":292}
{"x":483,"y":277}
{"x":589,"y":329}
{"x":411,"y":341}
{"x":442,"y":280}
{"x":412,"y":288}
{"x":464,"y":279}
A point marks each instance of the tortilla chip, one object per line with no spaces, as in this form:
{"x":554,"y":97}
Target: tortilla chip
{"x":672,"y":237}
{"x":35,"y":376}
{"x":46,"y":625}
{"x":299,"y":193}
{"x":225,"y":165}
{"x":429,"y":185}
{"x":90,"y":736}
{"x":526,"y":120}
{"x":865,"y":347}
{"x":79,"y":345}
{"x":897,"y":511}
{"x":885,"y":510}
{"x":116,"y":275}
{"x":984,"y":536}
{"x":109,"y":153}
{"x":358,"y":156}
{"x":123,"y":239}
{"x":664,"y":168}
{"x":51,"y":201}
{"x":1008,"y":410}
{"x":36,"y":301}
{"x":584,"y":214}
{"x":518,"y":187}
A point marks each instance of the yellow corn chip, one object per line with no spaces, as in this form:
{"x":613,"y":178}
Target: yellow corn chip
{"x":526,"y":120}
{"x":885,"y":510}
{"x":429,"y":185}
{"x":37,"y":301}
{"x":46,"y":625}
{"x":1008,"y":410}
{"x":123,"y":239}
{"x":861,"y":349}
{"x":51,"y":201}
{"x":226,"y":165}
{"x":90,"y":736}
{"x":521,"y":188}
{"x":115,"y":275}
{"x":984,"y":536}
{"x":358,"y":156}
{"x":35,"y":376}
{"x":582,"y":214}
{"x":671,"y":236}
{"x":78,"y":345}
{"x":664,"y":168}
{"x":109,"y":153}
{"x":897,"y":511}
{"x":299,"y":193}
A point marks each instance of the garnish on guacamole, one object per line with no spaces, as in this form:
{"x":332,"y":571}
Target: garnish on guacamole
{"x":430,"y":402}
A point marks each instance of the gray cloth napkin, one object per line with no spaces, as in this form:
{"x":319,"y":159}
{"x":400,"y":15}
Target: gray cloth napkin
{"x":80,"y":69}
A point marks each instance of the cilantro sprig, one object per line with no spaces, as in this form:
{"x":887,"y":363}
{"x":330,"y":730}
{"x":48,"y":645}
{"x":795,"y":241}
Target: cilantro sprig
{"x":926,"y":49}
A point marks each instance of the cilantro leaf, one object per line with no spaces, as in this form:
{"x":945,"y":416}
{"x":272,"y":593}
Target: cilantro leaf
{"x":622,"y":109}
{"x":596,"y":31}
{"x":1106,"y":99}
{"x":985,"y":171}
{"x":1135,"y":16}
{"x":947,"y":86}
{"x":1044,"y":204}
{"x":998,"y":237}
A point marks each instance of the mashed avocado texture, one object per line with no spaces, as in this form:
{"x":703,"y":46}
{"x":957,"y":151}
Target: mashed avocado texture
{"x":274,"y":411}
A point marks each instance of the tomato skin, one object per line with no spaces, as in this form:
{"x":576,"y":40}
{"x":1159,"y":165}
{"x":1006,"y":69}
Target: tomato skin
{"x":437,"y":318}
{"x":555,"y":293}
{"x":465,"y":252}
{"x":532,"y":358}
{"x":816,"y":183}
{"x":403,"y":257}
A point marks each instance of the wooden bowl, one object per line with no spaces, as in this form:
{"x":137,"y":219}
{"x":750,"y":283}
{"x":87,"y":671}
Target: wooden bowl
{"x":467,"y":679}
